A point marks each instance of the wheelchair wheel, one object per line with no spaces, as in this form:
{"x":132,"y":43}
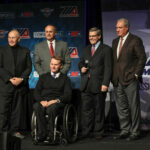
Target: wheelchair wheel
{"x":34,"y":127}
{"x":70,"y":123}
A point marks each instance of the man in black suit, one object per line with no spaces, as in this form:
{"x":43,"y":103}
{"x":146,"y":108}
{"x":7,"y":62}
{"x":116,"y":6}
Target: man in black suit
{"x":96,"y":70}
{"x":52,"y":92}
{"x":15,"y":68}
{"x":129,"y":61}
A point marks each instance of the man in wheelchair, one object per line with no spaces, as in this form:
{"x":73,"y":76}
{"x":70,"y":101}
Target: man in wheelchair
{"x":52,"y":92}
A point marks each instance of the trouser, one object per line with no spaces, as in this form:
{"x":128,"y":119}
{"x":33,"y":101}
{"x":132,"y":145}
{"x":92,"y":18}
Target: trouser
{"x":93,"y":113}
{"x":12,"y":111}
{"x":52,"y":111}
{"x":128,"y":107}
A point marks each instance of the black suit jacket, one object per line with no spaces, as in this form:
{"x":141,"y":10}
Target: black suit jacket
{"x":8,"y":69}
{"x":131,"y":61}
{"x":100,"y":68}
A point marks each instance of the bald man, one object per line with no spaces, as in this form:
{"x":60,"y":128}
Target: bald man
{"x":15,"y":68}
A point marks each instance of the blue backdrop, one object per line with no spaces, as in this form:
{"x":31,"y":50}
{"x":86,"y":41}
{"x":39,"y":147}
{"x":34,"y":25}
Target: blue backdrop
{"x":31,"y":19}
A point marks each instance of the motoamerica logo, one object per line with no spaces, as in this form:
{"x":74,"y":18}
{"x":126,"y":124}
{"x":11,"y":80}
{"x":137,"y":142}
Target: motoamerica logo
{"x":3,"y":33}
{"x":73,"y":52}
{"x":69,"y":11}
{"x":24,"y":33}
{"x":146,"y":72}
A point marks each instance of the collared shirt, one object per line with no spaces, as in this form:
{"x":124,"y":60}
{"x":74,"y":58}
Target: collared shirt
{"x":124,"y":39}
{"x":96,"y":45}
{"x":55,"y":74}
{"x":54,"y":43}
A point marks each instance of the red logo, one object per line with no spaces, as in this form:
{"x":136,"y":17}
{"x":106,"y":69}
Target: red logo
{"x":73,"y":52}
{"x":74,"y":33}
{"x":74,"y":74}
{"x":24,"y":33}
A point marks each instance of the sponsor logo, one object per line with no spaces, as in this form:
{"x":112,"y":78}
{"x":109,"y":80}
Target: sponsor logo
{"x":73,"y":52}
{"x":146,"y":71}
{"x":42,"y":34}
{"x":69,"y":11}
{"x":24,"y":33}
{"x":74,"y":74}
{"x":47,"y":12}
{"x":7,"y":15}
{"x":27,"y":14}
{"x":39,"y":35}
{"x":74,"y":33}
{"x":3,"y":33}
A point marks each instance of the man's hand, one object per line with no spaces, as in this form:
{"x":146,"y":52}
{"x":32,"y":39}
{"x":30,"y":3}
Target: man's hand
{"x":51,"y":102}
{"x":84,"y":69}
{"x":44,"y":103}
{"x":104,"y":88}
{"x":16,"y":81}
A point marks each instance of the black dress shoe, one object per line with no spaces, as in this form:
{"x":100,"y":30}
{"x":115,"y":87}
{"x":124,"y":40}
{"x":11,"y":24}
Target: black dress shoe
{"x":121,"y":136}
{"x":133,"y":138}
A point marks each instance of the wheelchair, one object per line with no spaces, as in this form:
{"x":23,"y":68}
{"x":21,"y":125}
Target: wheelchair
{"x":65,"y":126}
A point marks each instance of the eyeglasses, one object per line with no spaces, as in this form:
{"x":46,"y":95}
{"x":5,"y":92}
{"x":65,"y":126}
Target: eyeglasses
{"x":92,"y":36}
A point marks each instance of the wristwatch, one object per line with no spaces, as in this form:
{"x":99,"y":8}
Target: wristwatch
{"x":57,"y":100}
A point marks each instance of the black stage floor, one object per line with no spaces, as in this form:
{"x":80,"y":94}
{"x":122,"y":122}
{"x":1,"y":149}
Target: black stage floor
{"x":107,"y":143}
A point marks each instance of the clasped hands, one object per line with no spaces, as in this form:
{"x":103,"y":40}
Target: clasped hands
{"x":16,"y":81}
{"x":45,"y":103}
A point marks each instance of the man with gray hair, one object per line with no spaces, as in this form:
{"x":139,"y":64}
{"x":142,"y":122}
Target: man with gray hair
{"x":129,"y":60}
{"x":96,"y":70}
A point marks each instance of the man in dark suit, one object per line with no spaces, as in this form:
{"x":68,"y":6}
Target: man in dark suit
{"x":15,"y":68}
{"x":47,"y":49}
{"x":96,"y":70}
{"x":52,"y":92}
{"x":129,"y":61}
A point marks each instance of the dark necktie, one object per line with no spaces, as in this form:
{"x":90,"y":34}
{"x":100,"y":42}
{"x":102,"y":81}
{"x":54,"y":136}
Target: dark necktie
{"x":93,"y":50}
{"x":51,"y":49}
{"x":54,"y":75}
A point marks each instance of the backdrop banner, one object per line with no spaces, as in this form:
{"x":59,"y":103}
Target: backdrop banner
{"x":31,"y":19}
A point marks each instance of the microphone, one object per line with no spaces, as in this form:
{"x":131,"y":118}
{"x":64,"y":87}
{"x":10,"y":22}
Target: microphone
{"x":86,"y":63}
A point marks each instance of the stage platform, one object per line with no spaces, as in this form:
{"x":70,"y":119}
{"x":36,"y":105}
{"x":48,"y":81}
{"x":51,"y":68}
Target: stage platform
{"x":107,"y":143}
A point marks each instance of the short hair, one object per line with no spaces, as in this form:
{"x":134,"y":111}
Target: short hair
{"x":14,"y":30}
{"x":126,"y":22}
{"x":95,"y":29}
{"x":52,"y":26}
{"x":58,"y":58}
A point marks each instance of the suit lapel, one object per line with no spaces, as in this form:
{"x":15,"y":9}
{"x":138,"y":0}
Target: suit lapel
{"x":46,"y":51}
{"x":57,"y":50}
{"x":125,"y":45}
{"x":115,"y":45}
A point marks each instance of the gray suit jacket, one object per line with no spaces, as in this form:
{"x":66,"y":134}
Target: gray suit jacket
{"x":42,"y":56}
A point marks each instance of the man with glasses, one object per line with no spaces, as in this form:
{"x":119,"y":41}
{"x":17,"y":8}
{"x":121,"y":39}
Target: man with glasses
{"x":96,"y":70}
{"x":15,"y":68}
